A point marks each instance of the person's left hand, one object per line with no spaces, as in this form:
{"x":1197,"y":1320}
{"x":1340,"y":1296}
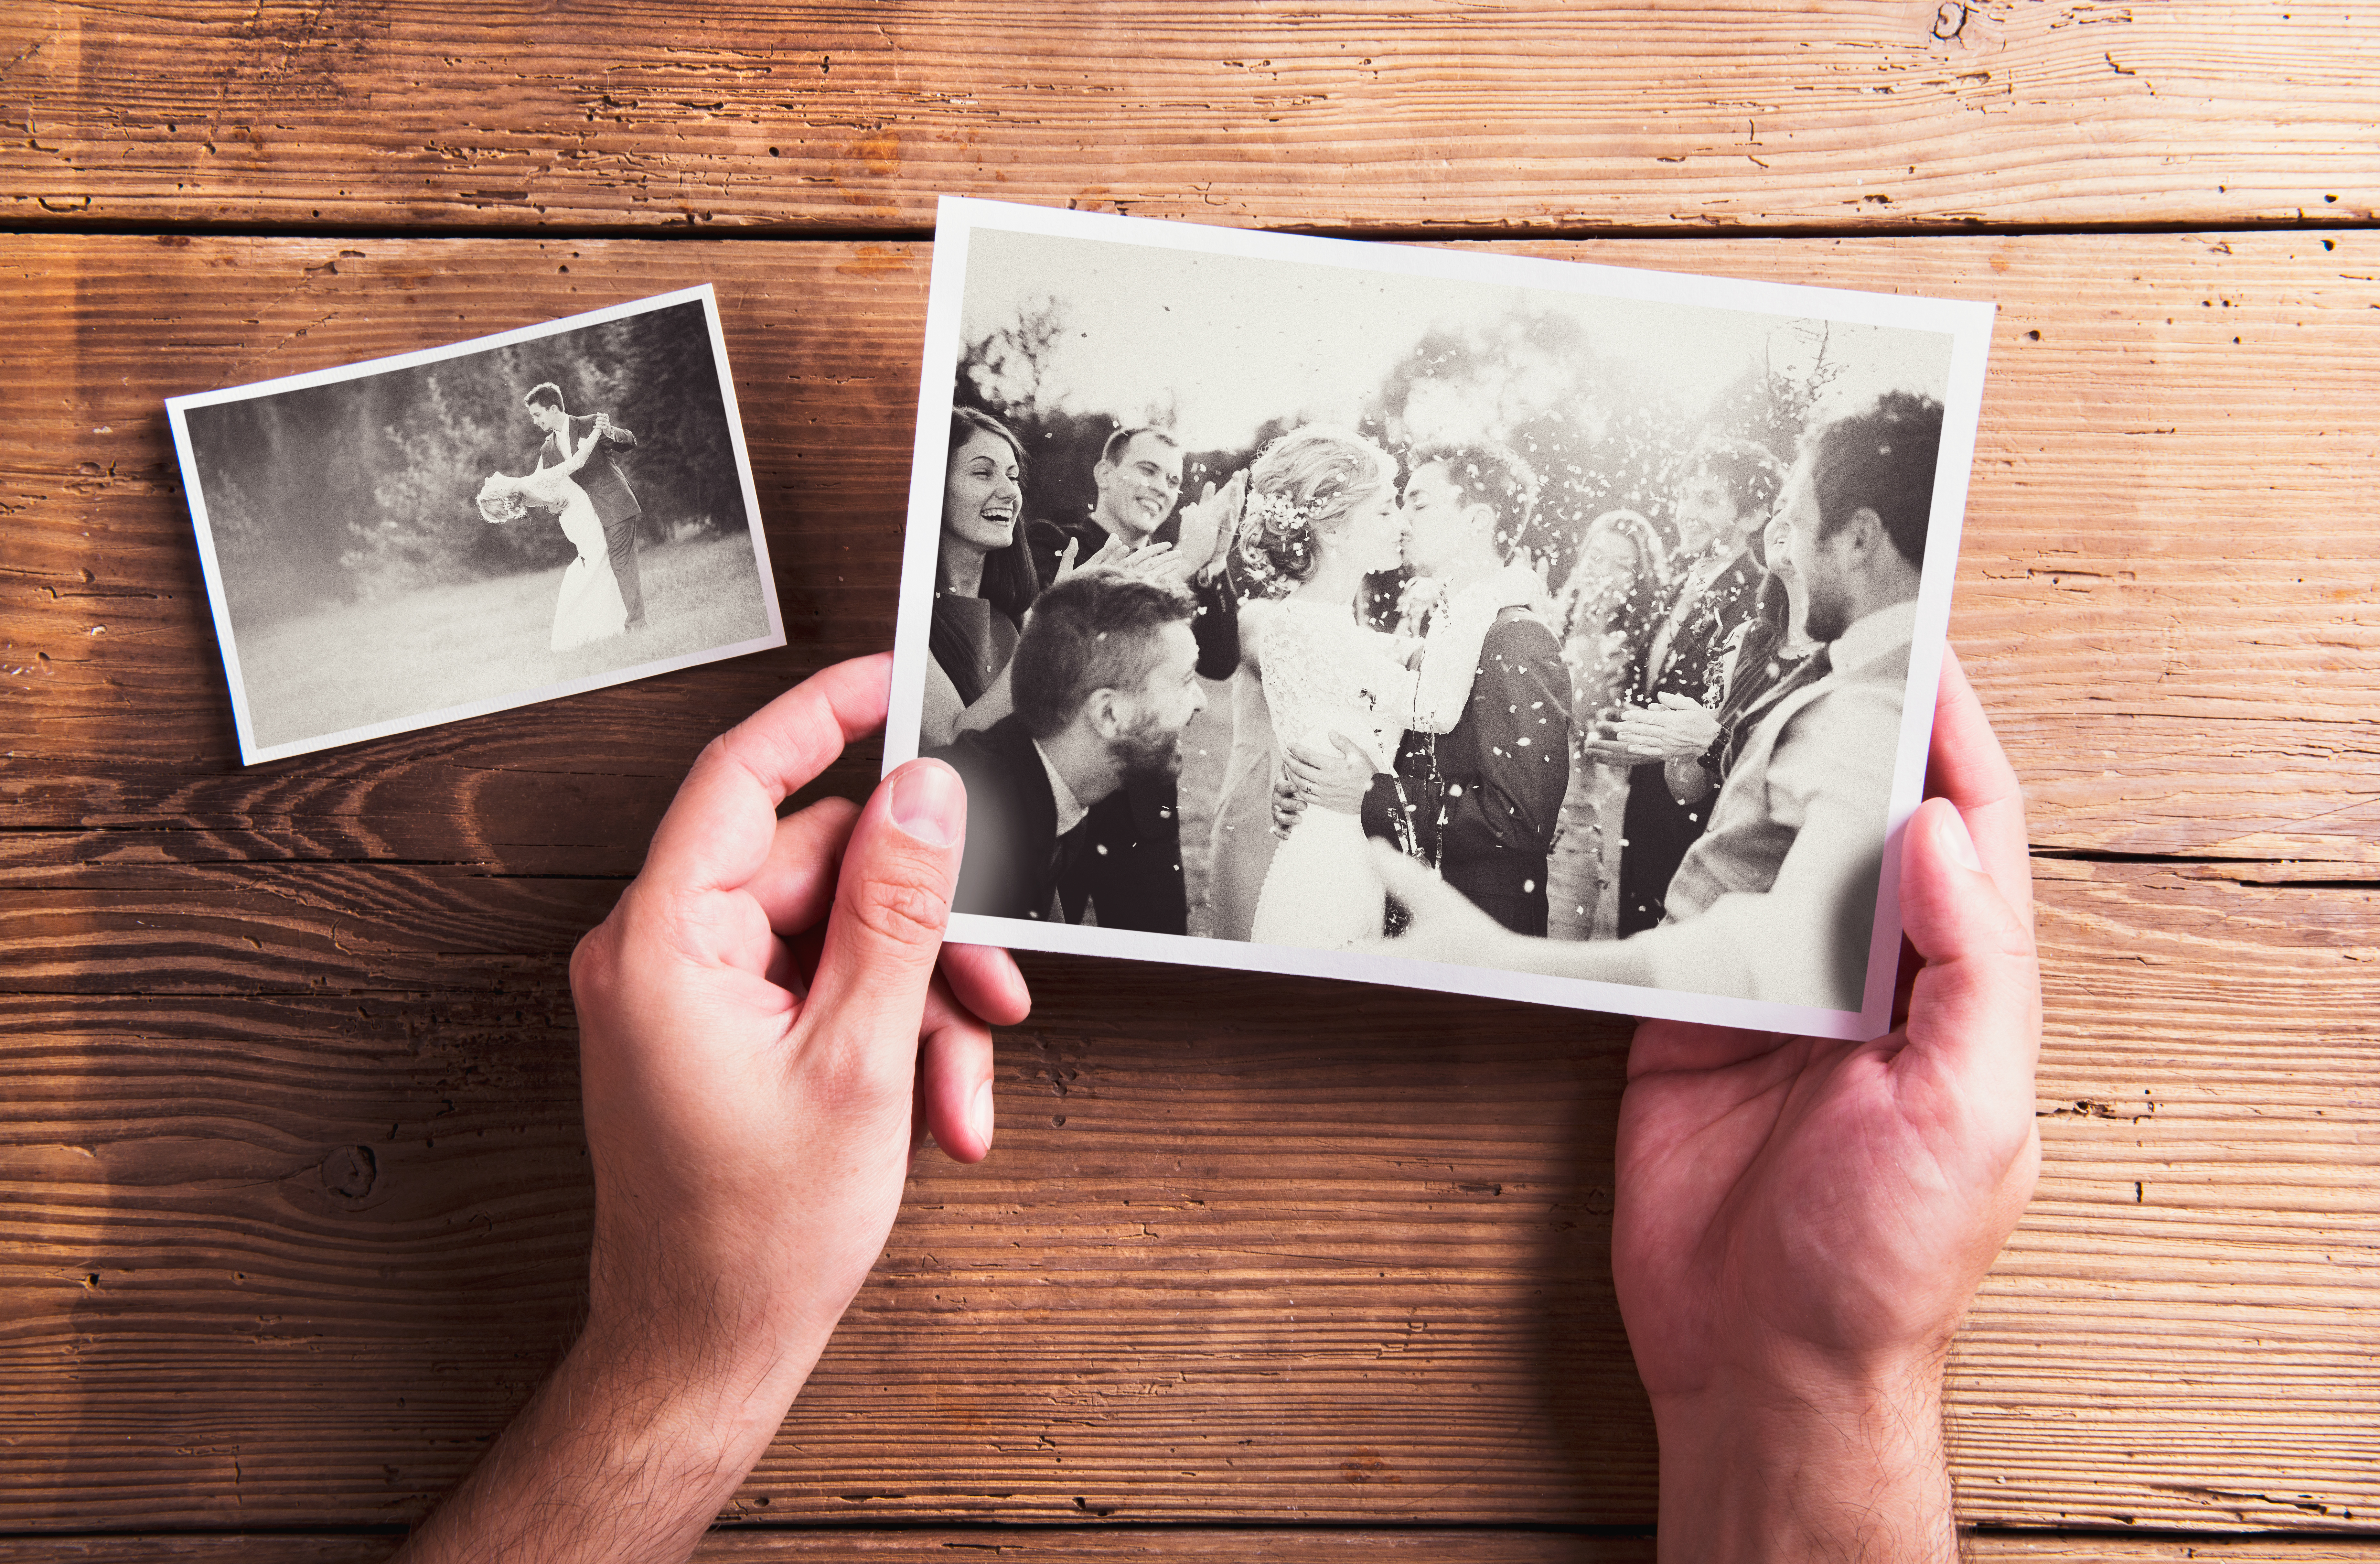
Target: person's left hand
{"x":1678,"y":728}
{"x":1208,"y":525}
{"x":1158,"y":562}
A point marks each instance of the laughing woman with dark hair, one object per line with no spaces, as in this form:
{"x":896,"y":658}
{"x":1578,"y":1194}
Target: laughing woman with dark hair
{"x":983,"y":578}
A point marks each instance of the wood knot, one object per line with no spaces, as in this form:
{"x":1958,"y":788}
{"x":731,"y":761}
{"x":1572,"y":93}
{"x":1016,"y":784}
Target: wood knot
{"x":350,"y":1172}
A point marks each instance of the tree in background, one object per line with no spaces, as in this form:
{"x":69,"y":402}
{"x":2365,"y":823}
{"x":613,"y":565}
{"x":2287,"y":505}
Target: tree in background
{"x":1598,"y":435}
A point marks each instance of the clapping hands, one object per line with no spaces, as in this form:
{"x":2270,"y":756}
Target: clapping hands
{"x":1209,"y":525}
{"x":1678,"y":728}
{"x":1144,"y":562}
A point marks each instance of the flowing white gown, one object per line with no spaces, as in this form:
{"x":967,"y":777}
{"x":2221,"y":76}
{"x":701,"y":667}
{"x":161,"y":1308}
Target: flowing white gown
{"x":590,"y":608}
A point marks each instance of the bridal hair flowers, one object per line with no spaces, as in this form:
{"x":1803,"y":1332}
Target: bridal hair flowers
{"x":500,"y":500}
{"x":1276,"y":544}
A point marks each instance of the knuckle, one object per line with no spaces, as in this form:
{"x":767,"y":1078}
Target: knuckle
{"x":900,"y":909}
{"x":593,"y":964}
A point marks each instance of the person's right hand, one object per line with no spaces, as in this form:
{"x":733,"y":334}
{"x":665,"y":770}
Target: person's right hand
{"x":1800,"y":1224}
{"x":763,"y":1039}
{"x":1210,"y":524}
{"x":1333,"y":778}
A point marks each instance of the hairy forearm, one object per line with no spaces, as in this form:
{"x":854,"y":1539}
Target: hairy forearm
{"x":627,"y":1452}
{"x":1781,"y":1476}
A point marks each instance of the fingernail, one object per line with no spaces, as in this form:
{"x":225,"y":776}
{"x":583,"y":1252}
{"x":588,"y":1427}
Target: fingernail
{"x":1961,"y":845}
{"x":979,"y":1116}
{"x":929,"y":802}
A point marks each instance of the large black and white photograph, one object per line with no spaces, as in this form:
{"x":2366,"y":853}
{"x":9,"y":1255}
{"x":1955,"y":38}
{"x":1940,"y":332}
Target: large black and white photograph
{"x":470,"y":528}
{"x":1443,"y":617}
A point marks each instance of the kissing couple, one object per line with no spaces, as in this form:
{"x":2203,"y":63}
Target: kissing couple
{"x":600,"y":595}
{"x":1449,"y":739}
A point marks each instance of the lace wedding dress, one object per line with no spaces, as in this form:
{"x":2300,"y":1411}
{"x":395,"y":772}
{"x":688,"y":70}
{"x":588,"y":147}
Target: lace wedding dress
{"x":1324,"y":673}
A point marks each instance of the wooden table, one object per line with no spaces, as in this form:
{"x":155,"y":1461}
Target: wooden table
{"x":1261,"y":1267}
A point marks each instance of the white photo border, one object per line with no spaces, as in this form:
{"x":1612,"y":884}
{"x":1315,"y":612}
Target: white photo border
{"x":1968,"y":323}
{"x":176,"y":408}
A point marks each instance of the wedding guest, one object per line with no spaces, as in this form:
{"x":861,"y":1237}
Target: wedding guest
{"x":1723,"y":498}
{"x":1105,"y":678}
{"x":1771,"y":656}
{"x":983,"y":574}
{"x":1133,"y":527}
{"x":1608,"y":611}
{"x":1777,"y":901}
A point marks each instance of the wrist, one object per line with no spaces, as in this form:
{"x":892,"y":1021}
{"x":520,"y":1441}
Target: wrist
{"x":627,"y":1452}
{"x":1814,"y":1467}
{"x":703,"y":1333}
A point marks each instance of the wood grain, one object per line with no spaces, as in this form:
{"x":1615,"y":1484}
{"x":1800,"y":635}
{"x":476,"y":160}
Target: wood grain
{"x":2171,"y":619}
{"x":1340,"y":1257}
{"x":1115,"y":1545}
{"x":1348,"y":116}
{"x":294,"y":1165}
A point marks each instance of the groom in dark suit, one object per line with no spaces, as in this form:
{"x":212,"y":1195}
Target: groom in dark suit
{"x":607,"y":487}
{"x":1106,"y":679}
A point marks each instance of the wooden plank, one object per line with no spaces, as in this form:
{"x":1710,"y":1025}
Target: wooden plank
{"x":1097,"y":1545}
{"x":1337,"y":1255}
{"x":1355,"y":114}
{"x":2173,"y":628}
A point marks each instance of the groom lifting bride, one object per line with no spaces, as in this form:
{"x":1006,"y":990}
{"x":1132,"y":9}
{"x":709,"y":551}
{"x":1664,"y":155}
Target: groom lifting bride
{"x":1477,"y":797}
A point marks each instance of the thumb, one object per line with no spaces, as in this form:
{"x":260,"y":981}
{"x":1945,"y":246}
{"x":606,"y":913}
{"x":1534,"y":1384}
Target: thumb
{"x":891,"y":902}
{"x":1974,"y":1011}
{"x":1677,"y":703}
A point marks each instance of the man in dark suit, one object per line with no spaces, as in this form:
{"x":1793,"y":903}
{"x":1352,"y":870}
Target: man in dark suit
{"x":1105,"y":678}
{"x":607,"y":487}
{"x":1137,"y":481}
{"x":1723,"y":500}
{"x":1482,"y":801}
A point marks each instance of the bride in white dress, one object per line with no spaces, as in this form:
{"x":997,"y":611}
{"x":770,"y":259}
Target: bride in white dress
{"x":1321,"y":514}
{"x":590,"y":608}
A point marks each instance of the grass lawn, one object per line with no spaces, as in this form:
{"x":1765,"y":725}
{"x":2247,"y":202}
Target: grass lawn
{"x":426,"y":651}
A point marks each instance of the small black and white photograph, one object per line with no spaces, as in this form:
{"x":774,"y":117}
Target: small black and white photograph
{"x":393,"y":545}
{"x":1441,"y":617}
